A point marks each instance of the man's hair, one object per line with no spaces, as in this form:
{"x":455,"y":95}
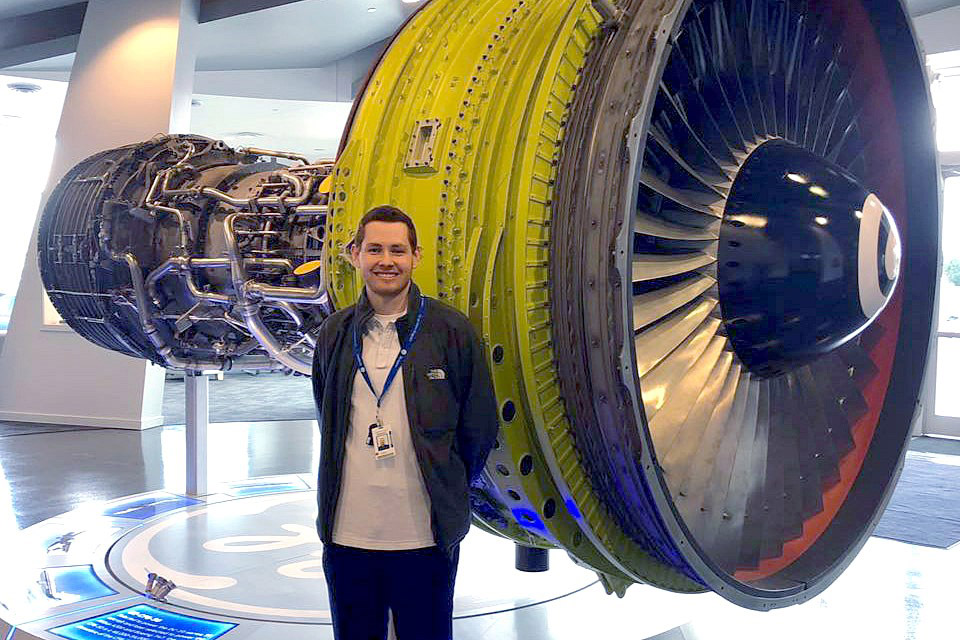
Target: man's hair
{"x":385,"y":213}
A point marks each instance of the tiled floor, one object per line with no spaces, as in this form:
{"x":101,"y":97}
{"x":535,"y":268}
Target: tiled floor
{"x":892,"y":590}
{"x":44,"y":475}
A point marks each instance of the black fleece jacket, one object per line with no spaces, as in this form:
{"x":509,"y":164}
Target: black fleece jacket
{"x":453,"y":417}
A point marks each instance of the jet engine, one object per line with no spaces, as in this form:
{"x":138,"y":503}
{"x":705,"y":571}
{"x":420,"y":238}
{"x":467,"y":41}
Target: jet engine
{"x":698,"y":238}
{"x":190,"y":254}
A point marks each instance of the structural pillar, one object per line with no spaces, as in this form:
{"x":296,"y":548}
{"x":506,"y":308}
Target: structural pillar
{"x":131,"y":80}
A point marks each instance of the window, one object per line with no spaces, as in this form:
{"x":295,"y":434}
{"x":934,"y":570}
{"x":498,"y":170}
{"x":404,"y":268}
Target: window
{"x":29,"y":116}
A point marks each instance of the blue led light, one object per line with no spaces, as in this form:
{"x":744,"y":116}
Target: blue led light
{"x":148,"y":506}
{"x":529,"y":519}
{"x":143,"y":621}
{"x":572,"y":508}
{"x":76,"y":584}
{"x":257,"y":489}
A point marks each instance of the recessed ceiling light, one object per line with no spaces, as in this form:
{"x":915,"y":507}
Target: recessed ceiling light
{"x":23,"y":87}
{"x":371,"y":9}
{"x":247,"y":134}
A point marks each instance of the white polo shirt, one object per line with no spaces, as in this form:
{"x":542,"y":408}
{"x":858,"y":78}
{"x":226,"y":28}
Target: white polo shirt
{"x":384,"y":503}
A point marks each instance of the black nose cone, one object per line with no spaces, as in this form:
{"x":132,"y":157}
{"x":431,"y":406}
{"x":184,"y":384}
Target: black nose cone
{"x":807,"y":258}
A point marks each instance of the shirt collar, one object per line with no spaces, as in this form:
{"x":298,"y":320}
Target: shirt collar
{"x":382,"y":322}
{"x":404,"y":323}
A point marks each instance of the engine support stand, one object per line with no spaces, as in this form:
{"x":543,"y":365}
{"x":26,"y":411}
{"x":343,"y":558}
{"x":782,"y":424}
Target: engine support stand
{"x":197,"y":419}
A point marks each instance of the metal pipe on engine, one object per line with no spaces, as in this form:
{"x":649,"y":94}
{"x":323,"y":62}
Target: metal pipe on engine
{"x":271,"y":293}
{"x":224,"y":263}
{"x":156,"y":275}
{"x":290,"y":311}
{"x":270,"y":262}
{"x":273,"y":154}
{"x":199,"y":294}
{"x":254,"y":323}
{"x":300,"y":295}
{"x":150,"y":329}
{"x":298,"y":183}
{"x":250,"y":311}
{"x":266,"y":201}
{"x":186,"y":233}
{"x":311,"y":210}
{"x":183,"y":264}
{"x":237,"y":272}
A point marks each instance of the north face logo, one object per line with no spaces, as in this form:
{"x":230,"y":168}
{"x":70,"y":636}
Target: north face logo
{"x":436,"y":374}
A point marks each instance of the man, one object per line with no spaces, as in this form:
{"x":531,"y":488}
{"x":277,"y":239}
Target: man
{"x":407,"y":418}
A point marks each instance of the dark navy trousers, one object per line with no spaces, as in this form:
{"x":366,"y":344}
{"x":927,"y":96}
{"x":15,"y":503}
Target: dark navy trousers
{"x":416,"y":585}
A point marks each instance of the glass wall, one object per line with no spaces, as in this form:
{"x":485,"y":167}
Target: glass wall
{"x":29,"y":116}
{"x":308,"y":127}
{"x":946,"y":95}
{"x":948,"y":341}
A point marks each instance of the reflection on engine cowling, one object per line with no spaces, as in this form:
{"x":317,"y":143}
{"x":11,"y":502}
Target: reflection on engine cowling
{"x":807,"y":258}
{"x":184,"y":251}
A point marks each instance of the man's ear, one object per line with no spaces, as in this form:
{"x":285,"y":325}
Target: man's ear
{"x":355,"y":255}
{"x":416,"y":257}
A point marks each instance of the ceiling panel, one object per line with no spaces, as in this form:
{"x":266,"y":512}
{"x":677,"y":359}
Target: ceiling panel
{"x":310,"y":33}
{"x":923,"y":7}
{"x":10,"y":8}
{"x":305,"y":34}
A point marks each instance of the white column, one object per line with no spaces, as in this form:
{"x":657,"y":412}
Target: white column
{"x":132,"y":79}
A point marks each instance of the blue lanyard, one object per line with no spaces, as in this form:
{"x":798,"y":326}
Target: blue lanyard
{"x":358,"y":356}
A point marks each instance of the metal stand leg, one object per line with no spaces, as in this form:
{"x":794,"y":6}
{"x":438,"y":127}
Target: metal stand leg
{"x":532,"y":559}
{"x":198,"y":417}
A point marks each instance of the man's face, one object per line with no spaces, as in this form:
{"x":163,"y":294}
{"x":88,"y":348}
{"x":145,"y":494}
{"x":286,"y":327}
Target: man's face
{"x":385,"y":259}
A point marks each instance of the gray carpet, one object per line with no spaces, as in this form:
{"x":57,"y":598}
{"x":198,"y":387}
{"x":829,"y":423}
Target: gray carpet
{"x":240,"y":397}
{"x":933,"y":444}
{"x":925,"y":507}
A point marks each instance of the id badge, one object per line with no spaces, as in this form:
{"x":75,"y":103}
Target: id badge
{"x":383,"y":443}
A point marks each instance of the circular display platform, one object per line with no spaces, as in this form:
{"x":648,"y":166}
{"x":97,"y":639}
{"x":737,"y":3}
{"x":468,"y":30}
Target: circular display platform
{"x":246,"y":562}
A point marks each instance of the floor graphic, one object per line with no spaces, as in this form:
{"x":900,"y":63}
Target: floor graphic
{"x":245,"y":562}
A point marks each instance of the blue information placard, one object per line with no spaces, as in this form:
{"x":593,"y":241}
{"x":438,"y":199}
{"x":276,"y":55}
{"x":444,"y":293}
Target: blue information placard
{"x":143,"y":621}
{"x":148,"y":506}
{"x":50,"y":588}
{"x":64,"y":585}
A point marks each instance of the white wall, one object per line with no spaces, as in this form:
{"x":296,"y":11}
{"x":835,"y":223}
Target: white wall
{"x":131,"y":79}
{"x":336,"y":82}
